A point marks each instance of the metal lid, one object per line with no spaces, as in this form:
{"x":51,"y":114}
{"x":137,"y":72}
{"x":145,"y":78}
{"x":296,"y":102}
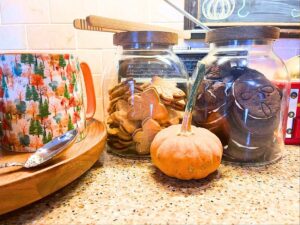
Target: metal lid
{"x":143,"y":37}
{"x":242,"y":33}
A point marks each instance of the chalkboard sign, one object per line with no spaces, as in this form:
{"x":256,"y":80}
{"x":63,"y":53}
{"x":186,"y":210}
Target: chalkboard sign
{"x":283,"y":13}
{"x":280,"y":11}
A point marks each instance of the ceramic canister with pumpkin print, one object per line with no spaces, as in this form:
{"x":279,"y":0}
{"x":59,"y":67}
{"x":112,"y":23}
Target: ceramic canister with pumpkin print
{"x":41,"y":97}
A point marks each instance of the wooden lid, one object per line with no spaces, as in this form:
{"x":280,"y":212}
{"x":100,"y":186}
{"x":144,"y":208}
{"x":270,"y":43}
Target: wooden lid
{"x":144,"y":37}
{"x":242,"y":33}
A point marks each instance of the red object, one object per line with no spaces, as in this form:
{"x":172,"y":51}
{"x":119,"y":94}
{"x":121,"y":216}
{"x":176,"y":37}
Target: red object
{"x":292,"y":134}
{"x":37,"y":80}
{"x":296,"y":126}
{"x":67,"y":56}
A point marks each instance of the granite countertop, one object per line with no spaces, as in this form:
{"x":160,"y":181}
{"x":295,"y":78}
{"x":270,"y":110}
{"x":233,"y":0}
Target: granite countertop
{"x":120,"y":191}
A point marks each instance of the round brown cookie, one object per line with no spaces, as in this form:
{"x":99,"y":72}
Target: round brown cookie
{"x":221,"y":130}
{"x":213,"y":72}
{"x":125,"y":143}
{"x":257,"y":127}
{"x":244,"y":146}
{"x":166,"y":102}
{"x":138,"y":88}
{"x":119,"y":92}
{"x":119,"y":85}
{"x":255,"y":93}
{"x":226,"y":72}
{"x":133,"y":91}
{"x":116,"y":145}
{"x":144,"y":85}
{"x":112,"y":131}
{"x":124,"y":136}
{"x":205,"y":116}
{"x":174,"y":117}
{"x":113,"y":102}
{"x":116,"y":139}
{"x":238,"y":153}
{"x":112,"y":122}
{"x":213,"y":121}
{"x":212,"y":95}
{"x":122,"y":129}
{"x":199,"y":116}
{"x":218,"y":72}
{"x":179,"y":105}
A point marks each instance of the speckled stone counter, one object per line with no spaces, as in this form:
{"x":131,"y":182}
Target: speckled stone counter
{"x":120,"y":191}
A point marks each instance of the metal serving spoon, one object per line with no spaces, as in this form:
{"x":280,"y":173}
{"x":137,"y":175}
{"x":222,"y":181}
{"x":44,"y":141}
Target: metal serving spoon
{"x":44,"y":154}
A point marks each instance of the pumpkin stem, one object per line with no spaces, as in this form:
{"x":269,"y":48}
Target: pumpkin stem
{"x":186,"y":126}
{"x":187,"y":118}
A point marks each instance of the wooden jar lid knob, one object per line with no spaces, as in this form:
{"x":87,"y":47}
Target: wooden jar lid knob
{"x":242,"y":33}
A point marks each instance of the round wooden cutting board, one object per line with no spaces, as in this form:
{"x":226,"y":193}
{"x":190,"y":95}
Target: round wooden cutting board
{"x":20,"y":187}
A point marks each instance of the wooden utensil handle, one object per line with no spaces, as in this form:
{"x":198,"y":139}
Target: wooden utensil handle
{"x":81,"y":24}
{"x":114,"y":24}
{"x":9,"y":164}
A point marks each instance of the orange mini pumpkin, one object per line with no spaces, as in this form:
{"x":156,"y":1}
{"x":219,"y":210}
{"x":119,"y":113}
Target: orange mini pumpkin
{"x":186,"y":155}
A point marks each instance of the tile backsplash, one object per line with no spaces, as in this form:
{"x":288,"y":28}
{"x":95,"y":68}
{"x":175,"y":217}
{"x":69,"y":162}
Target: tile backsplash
{"x":47,"y":25}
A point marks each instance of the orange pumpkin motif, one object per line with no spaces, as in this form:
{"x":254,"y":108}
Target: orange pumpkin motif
{"x":192,"y":155}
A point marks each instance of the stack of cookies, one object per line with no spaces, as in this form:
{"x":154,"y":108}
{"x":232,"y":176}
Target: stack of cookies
{"x":254,"y":117}
{"x":137,"y":112}
{"x":214,"y":100}
{"x":242,"y":107}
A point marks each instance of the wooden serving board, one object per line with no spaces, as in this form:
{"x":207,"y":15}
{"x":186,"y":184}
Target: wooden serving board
{"x":20,"y":187}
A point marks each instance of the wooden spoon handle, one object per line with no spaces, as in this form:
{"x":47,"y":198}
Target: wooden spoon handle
{"x":114,"y":24}
{"x":81,"y":24}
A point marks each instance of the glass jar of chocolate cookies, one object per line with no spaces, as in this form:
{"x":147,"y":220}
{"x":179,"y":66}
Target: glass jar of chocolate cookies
{"x":150,"y":92}
{"x":241,"y":99}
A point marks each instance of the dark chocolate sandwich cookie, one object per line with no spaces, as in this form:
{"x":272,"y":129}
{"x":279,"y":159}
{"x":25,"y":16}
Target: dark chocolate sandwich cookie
{"x":243,"y":145}
{"x":255,"y":93}
{"x":212,"y":95}
{"x":226,"y":72}
{"x":256,"y":126}
{"x":213,"y":121}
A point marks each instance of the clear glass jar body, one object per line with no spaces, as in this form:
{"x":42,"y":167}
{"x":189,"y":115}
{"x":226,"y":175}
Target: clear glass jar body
{"x":243,"y":101}
{"x":149,"y":95}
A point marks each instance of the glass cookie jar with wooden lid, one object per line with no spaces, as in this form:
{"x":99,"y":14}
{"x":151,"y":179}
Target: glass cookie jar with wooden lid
{"x":241,"y":98}
{"x":150,"y":92}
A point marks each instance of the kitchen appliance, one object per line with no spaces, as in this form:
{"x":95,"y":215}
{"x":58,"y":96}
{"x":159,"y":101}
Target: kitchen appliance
{"x":190,"y":56}
{"x":292,"y":135}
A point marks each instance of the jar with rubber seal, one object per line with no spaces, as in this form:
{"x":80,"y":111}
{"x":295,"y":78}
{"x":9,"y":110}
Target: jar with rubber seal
{"x":149,"y":93}
{"x":241,"y":98}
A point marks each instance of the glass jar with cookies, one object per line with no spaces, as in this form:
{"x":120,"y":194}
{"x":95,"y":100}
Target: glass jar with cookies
{"x":150,"y":92}
{"x":241,"y":98}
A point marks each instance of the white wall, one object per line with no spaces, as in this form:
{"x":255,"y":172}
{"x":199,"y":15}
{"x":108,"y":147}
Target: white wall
{"x":47,"y":25}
